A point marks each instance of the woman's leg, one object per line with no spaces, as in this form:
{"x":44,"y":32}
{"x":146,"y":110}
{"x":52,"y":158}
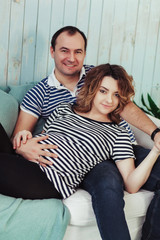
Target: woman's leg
{"x":151,"y":229}
{"x":105,"y":185}
{"x":24,"y":179}
{"x":5,"y":143}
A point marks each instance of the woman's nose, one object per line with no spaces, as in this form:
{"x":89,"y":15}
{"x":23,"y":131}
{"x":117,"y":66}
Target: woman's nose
{"x":109,"y":98}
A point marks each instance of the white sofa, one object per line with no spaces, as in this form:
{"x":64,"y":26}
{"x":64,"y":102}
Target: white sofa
{"x":83,"y":223}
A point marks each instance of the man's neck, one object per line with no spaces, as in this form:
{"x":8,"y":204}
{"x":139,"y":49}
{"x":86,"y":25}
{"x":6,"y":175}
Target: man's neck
{"x":69,"y":81}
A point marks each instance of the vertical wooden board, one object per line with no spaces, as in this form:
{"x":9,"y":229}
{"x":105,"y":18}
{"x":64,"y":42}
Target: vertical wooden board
{"x":129,"y":35}
{"x":155,"y":93}
{"x":118,"y":31}
{"x":29,"y":41}
{"x":151,"y":47}
{"x":70,"y":12}
{"x":15,"y":42}
{"x":140,"y":46}
{"x":93,"y":31}
{"x":83,"y":13}
{"x":106,"y":31}
{"x":4,"y":38}
{"x":42,"y":39}
{"x":57,"y":21}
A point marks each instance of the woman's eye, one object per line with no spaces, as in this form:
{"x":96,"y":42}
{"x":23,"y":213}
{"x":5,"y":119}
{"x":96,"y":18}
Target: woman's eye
{"x":102,"y":91}
{"x":117,"y":95}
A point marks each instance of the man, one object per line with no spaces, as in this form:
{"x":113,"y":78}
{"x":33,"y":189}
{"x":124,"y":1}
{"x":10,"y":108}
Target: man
{"x":104,"y":183}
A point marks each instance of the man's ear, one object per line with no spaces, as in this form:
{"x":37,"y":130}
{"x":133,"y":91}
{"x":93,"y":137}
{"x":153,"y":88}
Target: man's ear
{"x":51,"y":51}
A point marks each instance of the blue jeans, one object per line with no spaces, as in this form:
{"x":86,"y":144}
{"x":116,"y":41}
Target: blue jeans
{"x":105,"y":185}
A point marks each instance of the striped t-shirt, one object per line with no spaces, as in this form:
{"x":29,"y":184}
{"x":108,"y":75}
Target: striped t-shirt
{"x":42,"y":99}
{"x":82,"y":143}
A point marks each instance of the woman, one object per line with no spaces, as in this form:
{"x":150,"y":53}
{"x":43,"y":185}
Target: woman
{"x":86,"y":134}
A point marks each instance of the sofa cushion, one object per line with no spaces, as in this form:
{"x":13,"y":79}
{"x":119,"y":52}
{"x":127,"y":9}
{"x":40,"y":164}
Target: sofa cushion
{"x":18,"y":92}
{"x":80,"y":206}
{"x":8,"y":112}
{"x":11,"y":96}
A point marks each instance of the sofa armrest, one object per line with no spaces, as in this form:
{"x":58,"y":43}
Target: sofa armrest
{"x":142,"y":138}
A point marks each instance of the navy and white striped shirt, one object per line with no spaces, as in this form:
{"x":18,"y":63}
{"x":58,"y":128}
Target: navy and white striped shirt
{"x":42,"y":99}
{"x":82,"y":143}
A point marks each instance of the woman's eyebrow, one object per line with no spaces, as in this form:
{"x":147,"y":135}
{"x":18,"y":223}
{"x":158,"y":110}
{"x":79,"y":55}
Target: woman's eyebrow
{"x":104,"y":87}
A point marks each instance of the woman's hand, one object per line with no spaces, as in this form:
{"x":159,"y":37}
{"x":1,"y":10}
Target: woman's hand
{"x":21,"y":137}
{"x":155,"y":149}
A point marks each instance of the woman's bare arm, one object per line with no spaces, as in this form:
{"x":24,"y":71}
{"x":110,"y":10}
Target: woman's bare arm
{"x":134,"y":178}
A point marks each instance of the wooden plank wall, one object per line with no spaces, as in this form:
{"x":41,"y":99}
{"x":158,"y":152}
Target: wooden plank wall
{"x":125,"y":32}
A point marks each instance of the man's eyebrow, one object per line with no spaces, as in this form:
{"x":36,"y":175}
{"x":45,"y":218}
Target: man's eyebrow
{"x":63,"y":48}
{"x":78,"y":49}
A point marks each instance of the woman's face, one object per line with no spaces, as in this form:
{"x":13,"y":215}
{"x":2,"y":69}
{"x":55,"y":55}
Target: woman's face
{"x":107,"y":97}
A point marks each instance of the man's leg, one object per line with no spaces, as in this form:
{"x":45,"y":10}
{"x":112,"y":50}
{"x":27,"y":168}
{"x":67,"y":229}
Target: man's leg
{"x":105,"y":185}
{"x":151,"y":229}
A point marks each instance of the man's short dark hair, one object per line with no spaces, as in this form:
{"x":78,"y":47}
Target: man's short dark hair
{"x":71,"y":31}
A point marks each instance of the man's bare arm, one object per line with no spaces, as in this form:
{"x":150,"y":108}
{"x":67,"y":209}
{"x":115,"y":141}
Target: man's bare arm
{"x":135,"y":116}
{"x":25,"y":121}
{"x":31,"y":149}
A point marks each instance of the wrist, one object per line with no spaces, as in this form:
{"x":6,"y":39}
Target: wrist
{"x":156,"y":150}
{"x":154,"y":133}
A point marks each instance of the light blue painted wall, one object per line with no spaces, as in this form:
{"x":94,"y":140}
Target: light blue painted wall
{"x":125,"y":32}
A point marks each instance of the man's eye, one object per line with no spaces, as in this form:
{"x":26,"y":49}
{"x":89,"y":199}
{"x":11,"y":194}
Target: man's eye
{"x":78,"y":52}
{"x":64,"y":50}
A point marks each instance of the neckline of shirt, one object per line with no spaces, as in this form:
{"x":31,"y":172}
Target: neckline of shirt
{"x":53,"y":81}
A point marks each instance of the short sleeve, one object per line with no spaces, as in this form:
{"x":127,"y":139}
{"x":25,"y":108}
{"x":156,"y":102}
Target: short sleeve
{"x":33,"y":100}
{"x":122,"y":148}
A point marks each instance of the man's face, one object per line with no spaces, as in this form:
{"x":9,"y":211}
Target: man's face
{"x":69,"y":54}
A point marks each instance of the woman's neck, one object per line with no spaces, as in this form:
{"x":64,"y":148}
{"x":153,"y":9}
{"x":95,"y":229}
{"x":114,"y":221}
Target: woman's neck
{"x":96,"y":117}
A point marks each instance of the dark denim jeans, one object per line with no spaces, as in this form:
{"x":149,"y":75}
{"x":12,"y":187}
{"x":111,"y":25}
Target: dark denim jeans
{"x":105,"y":185}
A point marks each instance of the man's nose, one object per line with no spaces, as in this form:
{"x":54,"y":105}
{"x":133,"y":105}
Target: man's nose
{"x":71,"y":57}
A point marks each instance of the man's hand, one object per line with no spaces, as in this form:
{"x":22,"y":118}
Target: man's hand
{"x":21,"y":138}
{"x":33,"y":151}
{"x":157,"y":140}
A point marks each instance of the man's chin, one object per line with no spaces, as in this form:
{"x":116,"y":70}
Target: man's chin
{"x":72,"y":73}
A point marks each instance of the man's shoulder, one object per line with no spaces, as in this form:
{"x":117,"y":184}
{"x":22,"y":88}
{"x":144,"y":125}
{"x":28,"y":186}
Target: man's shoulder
{"x":44,"y":82}
{"x":41,"y":86}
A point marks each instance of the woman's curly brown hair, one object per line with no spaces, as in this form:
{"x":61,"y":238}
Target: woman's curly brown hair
{"x":92,"y":84}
